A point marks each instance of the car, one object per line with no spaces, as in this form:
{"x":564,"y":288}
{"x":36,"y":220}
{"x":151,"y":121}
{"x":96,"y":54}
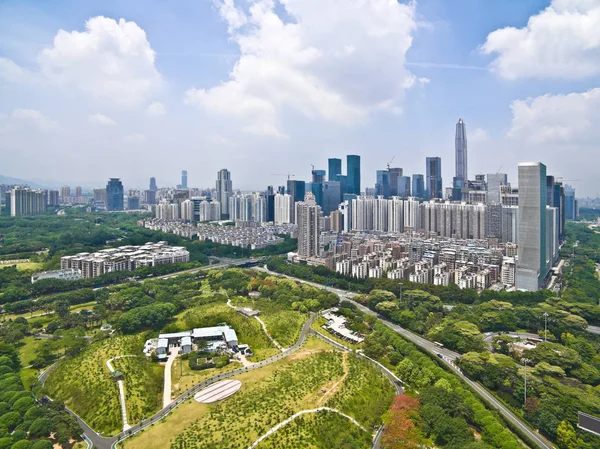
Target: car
{"x":439,"y":355}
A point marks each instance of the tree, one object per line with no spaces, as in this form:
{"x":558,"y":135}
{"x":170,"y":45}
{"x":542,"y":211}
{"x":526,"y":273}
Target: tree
{"x":23,"y":444}
{"x":10,"y":420}
{"x":42,"y":444}
{"x":22,"y":405}
{"x":41,"y":427}
{"x":566,"y":436}
{"x":386,"y":307}
{"x":402,"y":423}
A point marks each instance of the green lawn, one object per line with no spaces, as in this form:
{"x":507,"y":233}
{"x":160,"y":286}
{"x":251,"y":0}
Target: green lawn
{"x":85,"y":384}
{"x":22,"y":266}
{"x":27,"y":349}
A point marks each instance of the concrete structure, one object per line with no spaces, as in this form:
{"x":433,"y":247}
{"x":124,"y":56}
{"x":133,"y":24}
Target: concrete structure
{"x":162,"y":349}
{"x":532,"y":263}
{"x":68,"y":274}
{"x":336,"y":324}
{"x":353,"y":174}
{"x":433,"y":180}
{"x":308,"y":214}
{"x":114,"y":195}
{"x":224,"y":188}
{"x":460,"y":153}
{"x":124,"y":258}
{"x":216,"y":334}
{"x":283,"y":209}
{"x":186,"y":345}
{"x":23,"y":201}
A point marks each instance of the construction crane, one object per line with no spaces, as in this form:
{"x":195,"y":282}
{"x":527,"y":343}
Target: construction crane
{"x":289,"y":175}
{"x":390,"y":162}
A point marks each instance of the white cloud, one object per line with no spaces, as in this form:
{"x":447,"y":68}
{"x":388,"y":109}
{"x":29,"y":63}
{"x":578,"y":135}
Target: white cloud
{"x":155,"y":109}
{"x":479,"y":135}
{"x":217,"y":139}
{"x":324,"y":64}
{"x":562,"y":41}
{"x":32,"y":117}
{"x":101,"y":119}
{"x":110,"y":60}
{"x":573,"y":118}
{"x":134,"y":138}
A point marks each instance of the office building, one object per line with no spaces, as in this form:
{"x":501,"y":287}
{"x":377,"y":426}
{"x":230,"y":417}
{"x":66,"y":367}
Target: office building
{"x":510,"y":224}
{"x":393,"y":174}
{"x":153,"y":184}
{"x":184,"y":184}
{"x":283,"y":209}
{"x":334,"y":169}
{"x":494,"y":183}
{"x":270,"y":204}
{"x":133,"y":202}
{"x":382,"y":186}
{"x":331,"y":196}
{"x":308,"y":214}
{"x":433,"y":178}
{"x":418,"y":186}
{"x":296,"y":189}
{"x":353,"y":174}
{"x":52,"y":198}
{"x":531,"y":265}
{"x":403,"y":186}
{"x":224,"y":191}
{"x":99,"y":195}
{"x":570,"y":203}
{"x":114,"y":195}
{"x":150,"y":196}
{"x":460,"y":142}
{"x":22,"y":201}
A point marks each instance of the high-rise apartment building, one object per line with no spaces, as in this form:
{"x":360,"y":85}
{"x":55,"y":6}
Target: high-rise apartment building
{"x":224,"y":191}
{"x":114,"y":194}
{"x":133,"y":202}
{"x":418,"y":186}
{"x":184,"y":184}
{"x":283,"y":208}
{"x":24,"y":201}
{"x":52,"y":198}
{"x":353,"y":174}
{"x":65,"y":194}
{"x":434,"y":177}
{"x":531,"y":265}
{"x":308,"y":214}
{"x":460,"y":142}
{"x":78,"y":193}
{"x":334,"y":169}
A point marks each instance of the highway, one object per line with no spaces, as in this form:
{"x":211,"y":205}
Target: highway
{"x":448,"y":359}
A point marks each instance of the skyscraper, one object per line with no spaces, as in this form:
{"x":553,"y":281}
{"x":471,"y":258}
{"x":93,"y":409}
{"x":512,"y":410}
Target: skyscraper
{"x":353,"y":173}
{"x":283,"y":208}
{"x":296,"y":189}
{"x":494,"y":182}
{"x":334,"y":169}
{"x":531,"y":266}
{"x":570,"y":203}
{"x":393,"y":175}
{"x":316,"y":186}
{"x":434,"y":177}
{"x":78,"y":193}
{"x":52,"y":197}
{"x":382,"y":186}
{"x":403,"y":186}
{"x":114,"y":194}
{"x":418,"y":186}
{"x":308,"y":215}
{"x":24,"y":201}
{"x":153,"y":184}
{"x":65,"y":194}
{"x":331,"y":196}
{"x":224,"y":191}
{"x":461,"y":151}
{"x":184,"y":179}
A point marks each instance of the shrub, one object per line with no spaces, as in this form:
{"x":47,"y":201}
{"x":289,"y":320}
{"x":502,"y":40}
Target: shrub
{"x":41,"y":427}
{"x":22,"y":405}
{"x":23,"y":444}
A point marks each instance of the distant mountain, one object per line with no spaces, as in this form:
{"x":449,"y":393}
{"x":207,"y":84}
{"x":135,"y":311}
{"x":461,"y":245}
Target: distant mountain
{"x":9,"y":180}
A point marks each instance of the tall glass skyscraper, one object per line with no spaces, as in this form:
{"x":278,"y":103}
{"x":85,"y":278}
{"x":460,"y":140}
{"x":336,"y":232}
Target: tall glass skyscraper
{"x":532,"y":266}
{"x":296,"y":189}
{"x":353,"y":173}
{"x":114,"y":194}
{"x":382,"y":186}
{"x":434,"y":177}
{"x":184,"y":179}
{"x":403,"y":186}
{"x":418,"y":186}
{"x":394,"y":173}
{"x":224,"y":188}
{"x":334,"y":169}
{"x":153,"y":184}
{"x":460,"y":142}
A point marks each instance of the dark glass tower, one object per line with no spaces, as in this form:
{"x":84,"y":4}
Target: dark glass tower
{"x":114,"y":194}
{"x":353,"y":173}
{"x":418,"y":186}
{"x":296,"y":189}
{"x":394,"y":173}
{"x":382,"y":186}
{"x":334,"y":169}
{"x":434,"y":177}
{"x":460,"y":142}
{"x":153,"y":184}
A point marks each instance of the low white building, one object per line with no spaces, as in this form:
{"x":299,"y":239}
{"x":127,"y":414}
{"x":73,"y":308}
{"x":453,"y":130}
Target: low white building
{"x":69,"y":274}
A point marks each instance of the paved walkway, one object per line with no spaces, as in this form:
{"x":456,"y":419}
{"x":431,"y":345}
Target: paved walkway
{"x":121,"y":386}
{"x":167,"y":384}
{"x":272,"y":430}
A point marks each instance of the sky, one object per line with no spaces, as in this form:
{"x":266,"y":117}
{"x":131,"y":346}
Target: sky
{"x":266,"y":88}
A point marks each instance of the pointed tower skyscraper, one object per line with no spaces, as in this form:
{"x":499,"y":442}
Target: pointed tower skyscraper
{"x":461,"y":152}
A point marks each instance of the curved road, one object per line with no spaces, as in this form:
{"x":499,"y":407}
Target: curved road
{"x":448,"y":358}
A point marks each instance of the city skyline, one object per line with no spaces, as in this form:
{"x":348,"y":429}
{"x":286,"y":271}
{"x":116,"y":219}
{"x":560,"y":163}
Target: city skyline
{"x":170,"y":103}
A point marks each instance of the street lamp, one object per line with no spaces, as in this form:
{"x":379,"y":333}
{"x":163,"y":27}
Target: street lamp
{"x":545,"y":326}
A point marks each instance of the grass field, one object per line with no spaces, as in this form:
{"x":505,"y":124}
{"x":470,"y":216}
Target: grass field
{"x":85,"y":384}
{"x":249,"y":331}
{"x":160,"y":435}
{"x":27,"y":349}
{"x":190,"y":377}
{"x":23,"y":265}
{"x":284,"y":325}
{"x":323,"y":430}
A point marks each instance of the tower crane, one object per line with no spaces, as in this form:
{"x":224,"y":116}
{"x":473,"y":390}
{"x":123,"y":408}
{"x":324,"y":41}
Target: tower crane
{"x":390,"y":162}
{"x":289,"y":175}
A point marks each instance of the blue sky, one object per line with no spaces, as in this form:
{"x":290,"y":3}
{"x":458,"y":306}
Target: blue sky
{"x":263,"y":88}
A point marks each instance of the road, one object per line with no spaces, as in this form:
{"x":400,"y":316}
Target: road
{"x":448,"y":358}
{"x":167,"y":381}
{"x":488,"y":336}
{"x":594,"y":329}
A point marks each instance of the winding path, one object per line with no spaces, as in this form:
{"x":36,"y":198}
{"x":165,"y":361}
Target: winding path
{"x":121,"y":386}
{"x":167,"y":377}
{"x":274,"y":429}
